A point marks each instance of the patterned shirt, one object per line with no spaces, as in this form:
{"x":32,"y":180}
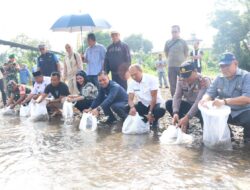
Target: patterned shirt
{"x":89,"y":91}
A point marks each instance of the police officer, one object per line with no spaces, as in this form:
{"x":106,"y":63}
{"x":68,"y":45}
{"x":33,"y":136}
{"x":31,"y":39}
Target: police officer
{"x":232,"y":88}
{"x":192,"y":86}
{"x":47,"y":62}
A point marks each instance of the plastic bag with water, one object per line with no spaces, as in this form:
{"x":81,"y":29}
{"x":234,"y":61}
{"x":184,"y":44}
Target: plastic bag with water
{"x":174,"y":135}
{"x":25,"y":111}
{"x":88,"y":122}
{"x":38,"y":112}
{"x":68,"y":113}
{"x":216,"y":134}
{"x":7,"y":111}
{"x":134,"y":125}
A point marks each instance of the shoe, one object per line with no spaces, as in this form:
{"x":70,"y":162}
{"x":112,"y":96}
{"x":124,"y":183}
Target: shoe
{"x":166,"y":87}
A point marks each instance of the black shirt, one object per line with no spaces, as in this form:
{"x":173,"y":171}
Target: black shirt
{"x":57,"y":91}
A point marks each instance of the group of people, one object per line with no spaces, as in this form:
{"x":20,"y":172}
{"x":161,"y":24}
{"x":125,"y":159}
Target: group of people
{"x":94,"y":92}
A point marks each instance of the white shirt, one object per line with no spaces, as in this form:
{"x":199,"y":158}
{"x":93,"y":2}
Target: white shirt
{"x":143,"y":89}
{"x":40,"y":87}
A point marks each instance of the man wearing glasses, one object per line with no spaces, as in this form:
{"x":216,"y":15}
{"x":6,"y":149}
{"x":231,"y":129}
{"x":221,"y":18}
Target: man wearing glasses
{"x":232,"y":88}
{"x":176,"y":51}
{"x":47,"y":62}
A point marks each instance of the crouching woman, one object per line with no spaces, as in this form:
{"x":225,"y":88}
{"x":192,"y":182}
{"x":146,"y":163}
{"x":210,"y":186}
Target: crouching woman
{"x":88,"y":92}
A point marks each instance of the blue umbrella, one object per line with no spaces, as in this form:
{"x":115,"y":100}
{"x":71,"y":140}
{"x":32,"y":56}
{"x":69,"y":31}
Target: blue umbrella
{"x":80,"y":22}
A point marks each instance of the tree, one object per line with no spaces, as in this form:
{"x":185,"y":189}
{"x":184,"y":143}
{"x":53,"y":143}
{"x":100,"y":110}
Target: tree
{"x":233,"y":30}
{"x":136,"y":43}
{"x":101,"y":37}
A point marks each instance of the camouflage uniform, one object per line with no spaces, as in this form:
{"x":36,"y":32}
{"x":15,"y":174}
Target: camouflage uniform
{"x":11,"y":71}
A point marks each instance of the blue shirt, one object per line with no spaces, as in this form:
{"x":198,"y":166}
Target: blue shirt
{"x":47,"y":63}
{"x":24,"y":76}
{"x":95,"y":58}
{"x":238,"y":86}
{"x":113,"y":93}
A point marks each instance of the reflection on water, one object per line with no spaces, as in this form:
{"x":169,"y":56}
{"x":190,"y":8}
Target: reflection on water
{"x":49,"y":155}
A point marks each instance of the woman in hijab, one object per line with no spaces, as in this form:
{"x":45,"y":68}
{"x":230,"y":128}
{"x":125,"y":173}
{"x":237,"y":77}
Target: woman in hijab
{"x":88,"y":92}
{"x":72,"y":64}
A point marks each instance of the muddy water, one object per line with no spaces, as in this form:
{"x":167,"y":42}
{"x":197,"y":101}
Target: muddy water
{"x":48,"y":155}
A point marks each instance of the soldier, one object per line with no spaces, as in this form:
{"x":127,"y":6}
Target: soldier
{"x":11,"y":70}
{"x":232,"y":88}
{"x":192,"y":86}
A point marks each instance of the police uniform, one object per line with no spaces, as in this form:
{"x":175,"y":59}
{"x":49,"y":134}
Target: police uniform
{"x":192,"y":94}
{"x":239,"y":85}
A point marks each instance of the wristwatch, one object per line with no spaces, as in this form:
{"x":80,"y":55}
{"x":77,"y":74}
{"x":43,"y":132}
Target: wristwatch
{"x":99,"y":108}
{"x":150,"y":112}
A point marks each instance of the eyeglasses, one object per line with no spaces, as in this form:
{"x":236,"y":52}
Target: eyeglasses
{"x":175,"y":31}
{"x":41,"y":49}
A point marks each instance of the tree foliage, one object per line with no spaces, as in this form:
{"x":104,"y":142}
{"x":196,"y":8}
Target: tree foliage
{"x":137,"y":43}
{"x":233,"y":30}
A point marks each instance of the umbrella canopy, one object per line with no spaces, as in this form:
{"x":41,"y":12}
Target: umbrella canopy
{"x":81,"y":22}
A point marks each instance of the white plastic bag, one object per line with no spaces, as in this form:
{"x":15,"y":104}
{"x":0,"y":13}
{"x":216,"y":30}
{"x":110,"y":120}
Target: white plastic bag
{"x":216,"y":133}
{"x":88,"y":122}
{"x":7,"y":111}
{"x":38,"y":112}
{"x":25,"y":111}
{"x":174,"y":135}
{"x":68,"y":112}
{"x":134,"y":125}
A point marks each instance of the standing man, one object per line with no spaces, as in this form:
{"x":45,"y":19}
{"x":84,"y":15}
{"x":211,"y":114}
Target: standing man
{"x":191,"y":86}
{"x":118,"y":60}
{"x":161,"y":69}
{"x":2,"y":89}
{"x":24,"y":74}
{"x":112,"y":98}
{"x":232,"y":88}
{"x":47,"y":61}
{"x":94,"y":57}
{"x":176,"y":50}
{"x":196,"y":56}
{"x":145,"y":88}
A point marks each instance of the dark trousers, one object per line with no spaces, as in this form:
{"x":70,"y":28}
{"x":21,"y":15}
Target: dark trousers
{"x":117,"y":78}
{"x":119,"y":108}
{"x":242,"y":120}
{"x":184,"y":108}
{"x":2,"y":91}
{"x":94,"y":80}
{"x":83,"y":104}
{"x":173,"y":73}
{"x":143,"y":110}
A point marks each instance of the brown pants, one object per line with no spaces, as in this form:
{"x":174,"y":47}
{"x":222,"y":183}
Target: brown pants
{"x":173,"y":73}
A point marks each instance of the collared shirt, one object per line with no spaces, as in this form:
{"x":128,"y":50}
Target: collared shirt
{"x":161,"y":66}
{"x":24,"y":75}
{"x":143,"y":89}
{"x":48,"y":63}
{"x":94,"y":57}
{"x":39,"y":88}
{"x":191,"y":93}
{"x":176,"y":51}
{"x":225,"y":88}
{"x":113,"y":93}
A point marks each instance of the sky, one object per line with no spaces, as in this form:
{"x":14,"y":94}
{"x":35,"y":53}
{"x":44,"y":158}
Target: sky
{"x":151,"y":18}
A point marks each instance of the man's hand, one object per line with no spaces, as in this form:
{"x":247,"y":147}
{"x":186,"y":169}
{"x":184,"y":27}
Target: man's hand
{"x":150,"y":118}
{"x":12,"y":106}
{"x":175,"y":119}
{"x":218,"y":103}
{"x":183,"y":122}
{"x":95,"y":112}
{"x":204,"y":103}
{"x":132,"y":111}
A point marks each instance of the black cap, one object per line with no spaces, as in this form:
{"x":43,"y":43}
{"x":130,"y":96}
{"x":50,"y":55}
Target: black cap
{"x":37,"y":74}
{"x":186,"y":69}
